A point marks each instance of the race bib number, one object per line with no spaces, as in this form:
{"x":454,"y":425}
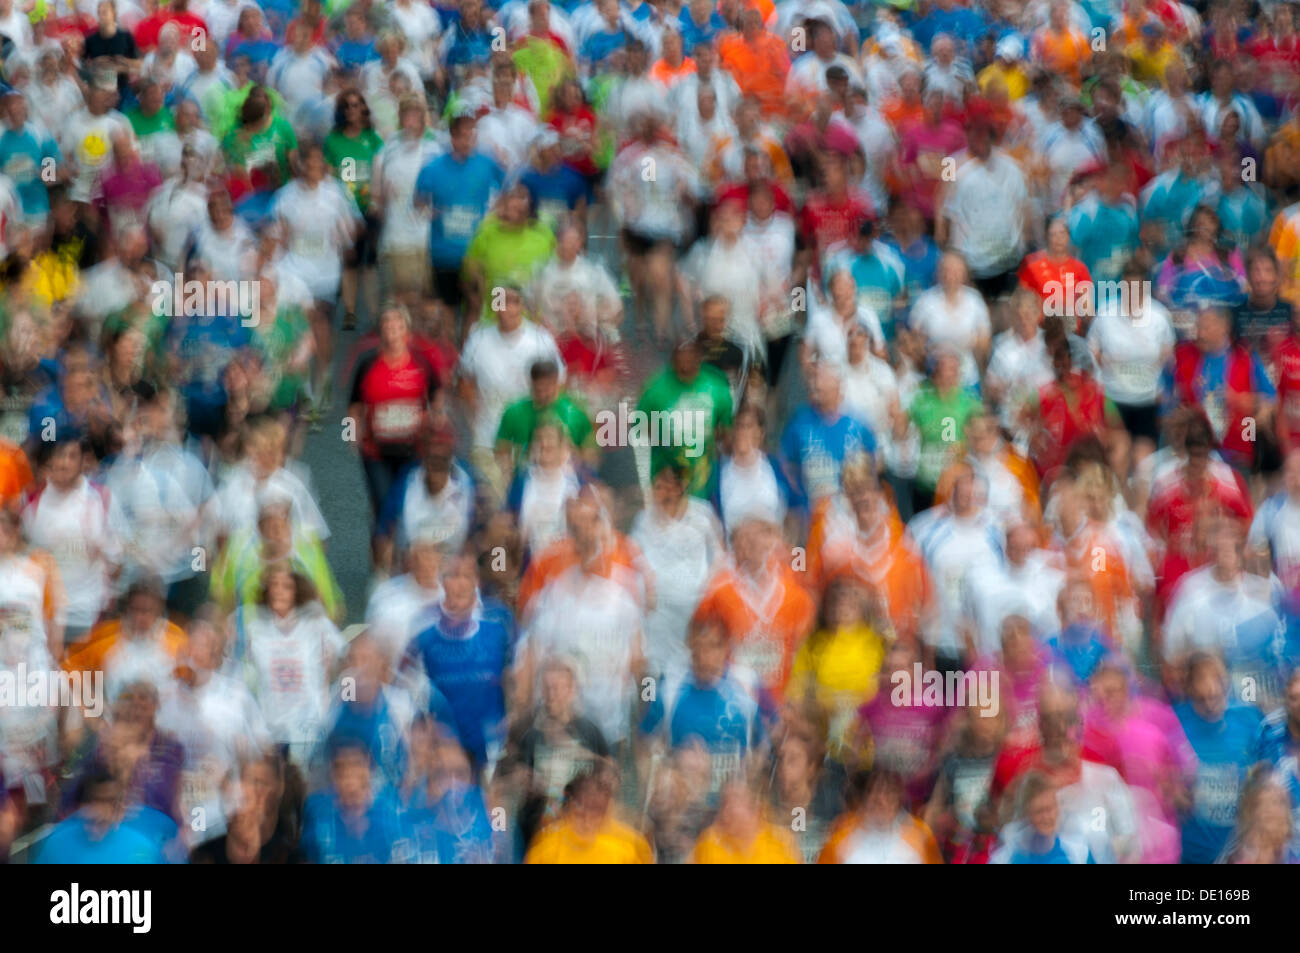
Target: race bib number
{"x":1133,"y":375}
{"x":762,"y":654}
{"x":1217,"y":790}
{"x":309,"y":246}
{"x":933,"y":461}
{"x":969,"y":789}
{"x":397,"y":420}
{"x":820,"y":473}
{"x":459,"y":222}
{"x":263,"y":155}
{"x":20,"y":168}
{"x":1291,"y":407}
{"x":901,"y":753}
{"x":14,"y":427}
{"x":551,"y":212}
{"x":287,"y":675}
{"x":725,"y":765}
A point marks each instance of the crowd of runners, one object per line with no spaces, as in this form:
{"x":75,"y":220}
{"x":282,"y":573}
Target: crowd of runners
{"x":795,"y":432}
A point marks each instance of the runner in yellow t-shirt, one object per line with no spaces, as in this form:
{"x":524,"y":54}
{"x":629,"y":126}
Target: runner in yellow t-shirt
{"x":741,"y":835}
{"x":588,"y":832}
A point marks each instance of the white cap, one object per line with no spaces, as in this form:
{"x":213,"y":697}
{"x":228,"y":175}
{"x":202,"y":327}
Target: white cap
{"x":1010,"y":47}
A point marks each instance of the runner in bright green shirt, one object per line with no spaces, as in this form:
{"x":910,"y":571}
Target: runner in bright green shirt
{"x":150,"y":116}
{"x":261,"y":145}
{"x":286,"y":346}
{"x":939,"y":412}
{"x":350,"y":149}
{"x":698,"y":398}
{"x":508,"y":248}
{"x":545,"y":403}
{"x":545,"y":63}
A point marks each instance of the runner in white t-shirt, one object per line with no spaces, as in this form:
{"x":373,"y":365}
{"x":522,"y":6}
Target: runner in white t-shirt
{"x":289,"y":649}
{"x":495,"y":367}
{"x":69,"y":517}
{"x":595,"y":622}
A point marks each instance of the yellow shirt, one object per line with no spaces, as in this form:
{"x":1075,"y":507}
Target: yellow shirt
{"x":838,"y":668}
{"x":1149,"y":67}
{"x":614,"y":843}
{"x":1013,"y":78}
{"x":772,"y":845}
{"x":52,"y":278}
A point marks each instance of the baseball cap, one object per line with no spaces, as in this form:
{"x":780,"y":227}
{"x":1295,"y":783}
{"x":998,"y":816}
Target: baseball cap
{"x":1010,"y":47}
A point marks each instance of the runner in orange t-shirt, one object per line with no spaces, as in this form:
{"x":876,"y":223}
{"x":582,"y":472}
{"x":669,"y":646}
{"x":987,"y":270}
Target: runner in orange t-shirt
{"x":142,"y":621}
{"x":858,"y":533}
{"x":1060,"y":48}
{"x":673,"y":64}
{"x":758,"y":61}
{"x":593,"y":542}
{"x":759,"y":599}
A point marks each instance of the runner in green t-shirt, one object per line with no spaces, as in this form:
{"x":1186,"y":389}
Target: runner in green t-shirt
{"x":939,"y":411}
{"x":698,"y":398}
{"x":150,"y":116}
{"x":508,"y":248}
{"x":287,"y":347}
{"x":545,"y":403}
{"x":350,"y":149}
{"x":262,"y":145}
{"x":544,"y":62}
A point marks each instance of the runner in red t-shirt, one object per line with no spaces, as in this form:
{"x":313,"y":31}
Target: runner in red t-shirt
{"x":834,"y":213}
{"x":392,"y":390}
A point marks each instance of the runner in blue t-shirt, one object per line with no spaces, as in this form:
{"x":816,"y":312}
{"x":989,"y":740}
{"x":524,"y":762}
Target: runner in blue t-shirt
{"x":350,"y":822}
{"x":820,"y":437}
{"x":464,"y":647}
{"x":459,"y":187}
{"x":1223,"y":737}
{"x":29,"y":156}
{"x":95,"y":834}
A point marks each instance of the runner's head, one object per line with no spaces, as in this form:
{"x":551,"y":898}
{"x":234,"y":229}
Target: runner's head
{"x":143,"y":606}
{"x":1037,"y":806}
{"x":350,"y":766}
{"x":826,"y":388}
{"x":544,"y":376}
{"x":1207,"y":685}
{"x":686,"y":360}
{"x":460,"y":583}
{"x":669,"y":486}
{"x":559,"y":688}
{"x":710,"y":648}
{"x":461,"y":133}
{"x":394,"y":329}
{"x":1058,"y":713}
{"x":714,"y":311}
{"x":510,"y":314}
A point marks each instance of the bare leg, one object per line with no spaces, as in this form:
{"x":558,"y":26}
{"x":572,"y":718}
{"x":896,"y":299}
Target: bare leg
{"x":348,"y":292}
{"x":659,"y":276}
